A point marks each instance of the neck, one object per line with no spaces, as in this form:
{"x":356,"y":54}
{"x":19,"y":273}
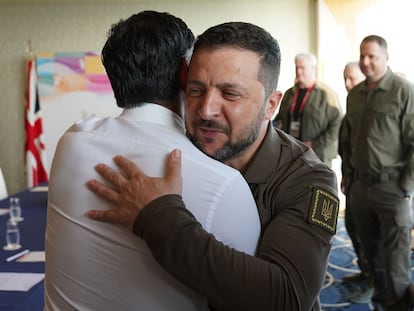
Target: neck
{"x":305,"y":85}
{"x":374,"y":81}
{"x":174,"y":105}
{"x":372,"y":84}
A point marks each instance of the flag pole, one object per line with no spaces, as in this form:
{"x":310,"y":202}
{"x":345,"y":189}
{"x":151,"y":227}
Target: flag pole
{"x":35,"y":150}
{"x":29,"y":50}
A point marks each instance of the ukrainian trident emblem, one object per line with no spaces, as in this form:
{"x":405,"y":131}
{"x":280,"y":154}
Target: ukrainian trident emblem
{"x":327,"y":209}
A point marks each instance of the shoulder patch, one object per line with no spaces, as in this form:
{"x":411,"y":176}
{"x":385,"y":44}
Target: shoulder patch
{"x":324,"y":210}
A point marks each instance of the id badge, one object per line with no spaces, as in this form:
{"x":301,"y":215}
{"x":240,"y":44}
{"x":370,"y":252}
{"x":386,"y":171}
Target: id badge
{"x":294,"y":129}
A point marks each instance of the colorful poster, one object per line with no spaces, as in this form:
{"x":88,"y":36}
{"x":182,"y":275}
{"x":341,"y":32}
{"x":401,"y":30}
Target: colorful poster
{"x":60,"y":73}
{"x":72,"y":86}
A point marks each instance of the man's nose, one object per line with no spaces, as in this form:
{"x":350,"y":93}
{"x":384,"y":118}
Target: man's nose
{"x":210,"y":106}
{"x":364,"y":61}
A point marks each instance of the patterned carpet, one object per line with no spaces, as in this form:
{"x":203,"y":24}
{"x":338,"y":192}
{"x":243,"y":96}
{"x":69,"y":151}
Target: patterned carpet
{"x":342,"y":262}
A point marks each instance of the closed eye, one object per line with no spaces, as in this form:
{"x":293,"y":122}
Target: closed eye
{"x":194,"y":92}
{"x":231,"y":95}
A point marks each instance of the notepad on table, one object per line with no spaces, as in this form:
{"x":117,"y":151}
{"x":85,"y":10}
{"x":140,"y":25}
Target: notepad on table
{"x":11,"y":281}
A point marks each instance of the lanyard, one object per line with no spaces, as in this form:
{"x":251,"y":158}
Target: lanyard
{"x":305,"y":98}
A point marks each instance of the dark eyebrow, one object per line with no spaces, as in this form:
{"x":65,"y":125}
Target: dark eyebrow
{"x":221,"y":86}
{"x":229,"y":85}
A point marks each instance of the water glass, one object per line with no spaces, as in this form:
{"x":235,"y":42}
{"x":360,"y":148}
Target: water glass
{"x":15,"y":210}
{"x":12,"y":236}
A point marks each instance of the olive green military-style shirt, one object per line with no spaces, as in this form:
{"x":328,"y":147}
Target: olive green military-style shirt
{"x":378,"y":134}
{"x":320,"y":119}
{"x":296,"y":195}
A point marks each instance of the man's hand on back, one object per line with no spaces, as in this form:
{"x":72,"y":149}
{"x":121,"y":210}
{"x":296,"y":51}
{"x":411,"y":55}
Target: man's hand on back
{"x":133,"y":190}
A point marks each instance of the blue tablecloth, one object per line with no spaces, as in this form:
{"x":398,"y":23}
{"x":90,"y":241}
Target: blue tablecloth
{"x":32,"y":235}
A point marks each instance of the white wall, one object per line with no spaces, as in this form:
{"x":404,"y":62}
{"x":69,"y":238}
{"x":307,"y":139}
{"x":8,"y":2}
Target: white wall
{"x":83,"y":27}
{"x":343,"y":24}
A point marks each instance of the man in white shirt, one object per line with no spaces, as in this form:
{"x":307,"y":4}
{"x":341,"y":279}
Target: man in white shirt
{"x":97,"y":266}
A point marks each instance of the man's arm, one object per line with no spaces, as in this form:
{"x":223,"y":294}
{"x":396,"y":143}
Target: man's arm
{"x":286,"y":274}
{"x":345,"y":153}
{"x":329,"y":136}
{"x":407,"y":180}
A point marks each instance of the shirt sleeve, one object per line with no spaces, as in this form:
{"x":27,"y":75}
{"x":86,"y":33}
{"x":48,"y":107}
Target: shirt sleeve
{"x":407,"y":180}
{"x":285,"y":274}
{"x":329,"y":136}
{"x":345,"y":153}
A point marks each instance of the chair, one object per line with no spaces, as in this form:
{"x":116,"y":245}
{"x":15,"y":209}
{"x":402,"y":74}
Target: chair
{"x":3,"y":188}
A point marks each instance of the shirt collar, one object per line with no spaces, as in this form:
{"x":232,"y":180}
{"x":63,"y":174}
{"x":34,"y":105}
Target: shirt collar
{"x":385,"y":83}
{"x":276,"y":153}
{"x":153,"y":113}
{"x":265,"y":160}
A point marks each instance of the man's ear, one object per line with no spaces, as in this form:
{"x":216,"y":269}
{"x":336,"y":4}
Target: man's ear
{"x":272,"y":104}
{"x":183,"y":74}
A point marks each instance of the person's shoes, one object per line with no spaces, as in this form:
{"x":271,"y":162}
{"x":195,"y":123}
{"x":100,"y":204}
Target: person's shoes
{"x":363,"y":295}
{"x":353,"y":278}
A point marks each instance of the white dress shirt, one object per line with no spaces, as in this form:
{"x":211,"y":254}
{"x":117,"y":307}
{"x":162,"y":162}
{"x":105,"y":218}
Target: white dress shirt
{"x":91,"y":265}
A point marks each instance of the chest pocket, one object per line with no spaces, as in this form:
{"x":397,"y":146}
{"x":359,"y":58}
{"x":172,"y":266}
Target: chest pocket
{"x":386,"y":118}
{"x":390,"y":108}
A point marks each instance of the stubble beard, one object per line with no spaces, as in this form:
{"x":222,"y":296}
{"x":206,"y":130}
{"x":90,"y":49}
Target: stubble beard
{"x":230,"y":149}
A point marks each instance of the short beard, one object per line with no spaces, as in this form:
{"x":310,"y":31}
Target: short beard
{"x":231,"y":150}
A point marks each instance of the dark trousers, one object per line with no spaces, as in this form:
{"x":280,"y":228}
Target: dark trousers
{"x":383,"y":223}
{"x":356,"y":243}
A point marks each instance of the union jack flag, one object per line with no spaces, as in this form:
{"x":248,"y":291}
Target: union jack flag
{"x":35,"y":142}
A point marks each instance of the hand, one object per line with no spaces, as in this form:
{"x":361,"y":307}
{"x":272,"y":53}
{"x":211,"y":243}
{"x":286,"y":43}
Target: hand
{"x":132,"y":191}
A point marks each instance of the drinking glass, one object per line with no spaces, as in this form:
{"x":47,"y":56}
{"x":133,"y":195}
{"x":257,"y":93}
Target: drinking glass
{"x":12,"y":236}
{"x":15,"y":210}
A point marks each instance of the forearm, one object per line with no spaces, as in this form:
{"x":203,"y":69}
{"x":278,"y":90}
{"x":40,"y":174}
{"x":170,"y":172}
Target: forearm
{"x":195,"y":257}
{"x":230,"y":280}
{"x":330,"y":134}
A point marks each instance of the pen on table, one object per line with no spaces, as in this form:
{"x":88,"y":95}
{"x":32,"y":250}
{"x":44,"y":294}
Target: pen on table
{"x":18,"y":255}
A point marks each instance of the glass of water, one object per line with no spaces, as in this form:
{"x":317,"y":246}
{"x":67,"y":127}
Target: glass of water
{"x":15,"y":210}
{"x":12,"y":236}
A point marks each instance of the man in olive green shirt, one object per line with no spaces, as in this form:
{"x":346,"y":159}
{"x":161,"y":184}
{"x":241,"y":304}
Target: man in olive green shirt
{"x":378,"y":151}
{"x":352,"y":77}
{"x":310,"y":111}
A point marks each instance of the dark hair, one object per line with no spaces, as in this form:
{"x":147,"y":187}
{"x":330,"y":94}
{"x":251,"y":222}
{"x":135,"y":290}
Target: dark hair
{"x":143,"y":56}
{"x":380,"y":40}
{"x":249,"y":37}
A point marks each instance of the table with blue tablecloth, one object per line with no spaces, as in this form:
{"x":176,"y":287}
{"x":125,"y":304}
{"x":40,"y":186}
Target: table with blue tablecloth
{"x":32,"y":235}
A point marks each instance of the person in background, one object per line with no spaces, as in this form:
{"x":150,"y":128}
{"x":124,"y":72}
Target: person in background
{"x":353,"y":76}
{"x":310,"y":111}
{"x":94,"y":266}
{"x":231,"y":97}
{"x":378,"y":156}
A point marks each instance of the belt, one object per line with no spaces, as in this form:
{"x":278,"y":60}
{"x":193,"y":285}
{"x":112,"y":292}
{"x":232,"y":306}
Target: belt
{"x":371,"y":179}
